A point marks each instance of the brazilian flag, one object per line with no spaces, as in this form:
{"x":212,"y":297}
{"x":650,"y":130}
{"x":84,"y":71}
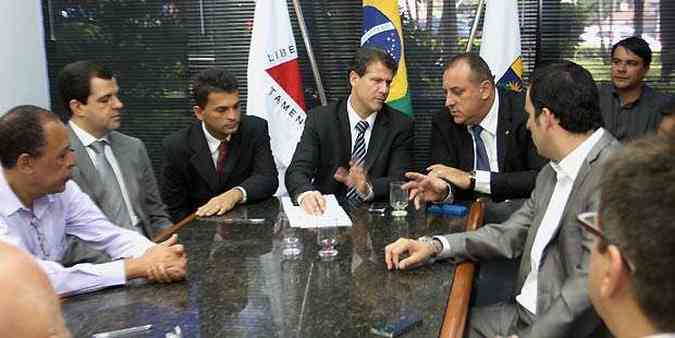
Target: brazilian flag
{"x":382,"y":29}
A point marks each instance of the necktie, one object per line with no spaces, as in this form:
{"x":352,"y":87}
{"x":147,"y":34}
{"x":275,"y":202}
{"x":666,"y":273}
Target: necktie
{"x":222,"y":155}
{"x":358,"y":155}
{"x":112,"y":200}
{"x":482,"y":162}
{"x":42,"y":241}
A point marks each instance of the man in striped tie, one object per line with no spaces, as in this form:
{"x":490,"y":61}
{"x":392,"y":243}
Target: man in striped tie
{"x":353,"y":148}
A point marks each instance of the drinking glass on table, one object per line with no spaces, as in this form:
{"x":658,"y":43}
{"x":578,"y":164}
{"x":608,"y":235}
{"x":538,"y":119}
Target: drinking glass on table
{"x":398,"y":198}
{"x":327,"y":239}
{"x":291,"y":244}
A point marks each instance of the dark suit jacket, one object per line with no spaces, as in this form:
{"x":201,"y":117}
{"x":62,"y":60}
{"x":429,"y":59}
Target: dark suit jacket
{"x":563,"y":306}
{"x":139,"y":179}
{"x":189,"y":179}
{"x":326,"y":145}
{"x":452,"y":145}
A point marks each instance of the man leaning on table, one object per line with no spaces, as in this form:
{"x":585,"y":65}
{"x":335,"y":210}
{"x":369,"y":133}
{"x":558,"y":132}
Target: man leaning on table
{"x":353,"y":148}
{"x":552,"y":298}
{"x":222,"y":160}
{"x":41,"y":205}
{"x":632,"y":266}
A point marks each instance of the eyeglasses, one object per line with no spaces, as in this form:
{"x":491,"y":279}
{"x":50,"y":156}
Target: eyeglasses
{"x":590,"y":222}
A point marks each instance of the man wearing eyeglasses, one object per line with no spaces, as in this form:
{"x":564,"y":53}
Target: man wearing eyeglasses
{"x":551,"y":298}
{"x":632,"y":266}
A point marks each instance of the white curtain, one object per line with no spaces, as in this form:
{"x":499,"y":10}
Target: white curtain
{"x":23,"y":60}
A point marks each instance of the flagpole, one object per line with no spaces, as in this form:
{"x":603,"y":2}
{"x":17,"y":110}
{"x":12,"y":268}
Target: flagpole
{"x":474,"y":28}
{"x":310,"y":52}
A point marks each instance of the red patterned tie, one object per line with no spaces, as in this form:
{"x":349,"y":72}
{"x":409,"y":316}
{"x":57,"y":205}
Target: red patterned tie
{"x":222,"y":155}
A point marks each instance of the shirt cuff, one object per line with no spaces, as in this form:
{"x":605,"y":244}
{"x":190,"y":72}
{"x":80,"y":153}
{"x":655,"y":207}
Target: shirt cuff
{"x":243,"y":193}
{"x":445,"y":253}
{"x":367,"y":196}
{"x":483,"y":181}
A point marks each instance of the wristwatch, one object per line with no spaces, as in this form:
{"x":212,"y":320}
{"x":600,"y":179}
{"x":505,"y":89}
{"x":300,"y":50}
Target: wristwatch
{"x":436,"y":245}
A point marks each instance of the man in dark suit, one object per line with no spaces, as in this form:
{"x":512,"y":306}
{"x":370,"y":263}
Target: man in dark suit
{"x":112,"y":168}
{"x":353,"y":148}
{"x":480,"y":144}
{"x":221,"y":160}
{"x":551,"y":299}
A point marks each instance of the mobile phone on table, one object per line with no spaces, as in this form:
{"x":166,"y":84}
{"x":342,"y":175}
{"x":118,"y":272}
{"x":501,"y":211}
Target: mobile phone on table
{"x":403,"y":324}
{"x":377,"y":208}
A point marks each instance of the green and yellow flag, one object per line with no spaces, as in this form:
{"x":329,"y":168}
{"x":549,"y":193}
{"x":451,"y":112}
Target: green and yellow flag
{"x":382,"y":29}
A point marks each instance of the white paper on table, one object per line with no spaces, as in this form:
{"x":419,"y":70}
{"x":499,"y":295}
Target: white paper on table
{"x":334,"y":215}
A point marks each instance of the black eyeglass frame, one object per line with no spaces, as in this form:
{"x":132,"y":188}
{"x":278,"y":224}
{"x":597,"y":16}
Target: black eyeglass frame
{"x":589,"y":221}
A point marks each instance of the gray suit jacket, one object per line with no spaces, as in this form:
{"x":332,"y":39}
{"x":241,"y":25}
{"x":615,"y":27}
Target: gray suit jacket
{"x":139,"y":179}
{"x":563,"y":305}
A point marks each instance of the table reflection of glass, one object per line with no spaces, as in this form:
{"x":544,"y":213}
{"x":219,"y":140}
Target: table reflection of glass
{"x":240,"y":284}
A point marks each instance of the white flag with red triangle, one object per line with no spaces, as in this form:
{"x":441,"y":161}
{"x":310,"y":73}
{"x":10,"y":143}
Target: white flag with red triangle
{"x":274,"y":82}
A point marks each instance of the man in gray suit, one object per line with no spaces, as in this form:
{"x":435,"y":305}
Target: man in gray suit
{"x":551,"y":298}
{"x":112,"y":168}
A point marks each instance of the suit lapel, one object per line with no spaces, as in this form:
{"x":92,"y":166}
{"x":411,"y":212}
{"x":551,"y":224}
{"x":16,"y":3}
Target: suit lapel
{"x":584,"y":172}
{"x":122,"y":155}
{"x":345,"y":139}
{"x":201,"y":158}
{"x":466,"y":142}
{"x":503,"y":129}
{"x":87,"y":170}
{"x":377,"y":137}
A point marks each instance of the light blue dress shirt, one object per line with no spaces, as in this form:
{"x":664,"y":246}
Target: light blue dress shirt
{"x":41,"y":232}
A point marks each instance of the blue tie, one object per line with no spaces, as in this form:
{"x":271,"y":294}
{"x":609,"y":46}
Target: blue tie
{"x":482,"y":162}
{"x":358,"y":155}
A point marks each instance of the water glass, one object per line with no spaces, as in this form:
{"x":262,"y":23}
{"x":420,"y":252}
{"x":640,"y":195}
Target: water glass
{"x":291,"y":246}
{"x":398,"y":198}
{"x":327,"y":240}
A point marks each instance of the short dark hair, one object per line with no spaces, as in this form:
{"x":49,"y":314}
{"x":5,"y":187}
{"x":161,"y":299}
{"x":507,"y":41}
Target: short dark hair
{"x":212,"y":80}
{"x":636,"y":45}
{"x":73,"y":82}
{"x":21,"y":132}
{"x":480,"y":71}
{"x":570,"y":93}
{"x":637,"y":210}
{"x":365,"y":56}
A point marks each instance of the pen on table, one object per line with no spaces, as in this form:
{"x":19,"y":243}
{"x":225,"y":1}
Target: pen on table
{"x":123,"y":332}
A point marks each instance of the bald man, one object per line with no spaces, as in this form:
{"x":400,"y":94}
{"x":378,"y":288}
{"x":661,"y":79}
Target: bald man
{"x":28,"y":303}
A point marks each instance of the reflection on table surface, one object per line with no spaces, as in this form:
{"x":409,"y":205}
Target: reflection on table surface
{"x":240,"y":285}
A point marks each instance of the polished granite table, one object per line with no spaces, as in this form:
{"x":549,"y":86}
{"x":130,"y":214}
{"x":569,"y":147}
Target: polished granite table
{"x":240,"y":285}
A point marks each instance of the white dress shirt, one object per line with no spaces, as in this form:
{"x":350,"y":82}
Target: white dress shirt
{"x":213,"y":144}
{"x":354,"y":118}
{"x":566,"y":172}
{"x":489,"y":137}
{"x":41,"y":232}
{"x":87,"y":139}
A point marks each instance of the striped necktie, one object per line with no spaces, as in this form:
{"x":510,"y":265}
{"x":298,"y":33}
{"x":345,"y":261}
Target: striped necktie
{"x":358,"y":155}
